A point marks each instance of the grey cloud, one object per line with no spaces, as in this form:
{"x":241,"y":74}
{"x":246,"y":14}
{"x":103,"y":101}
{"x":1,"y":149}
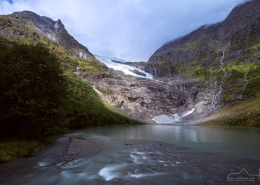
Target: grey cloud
{"x":127,"y":29}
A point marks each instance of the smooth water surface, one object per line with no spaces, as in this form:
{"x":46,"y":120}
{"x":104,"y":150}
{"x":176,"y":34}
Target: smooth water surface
{"x":231,"y":141}
{"x":182,"y":155}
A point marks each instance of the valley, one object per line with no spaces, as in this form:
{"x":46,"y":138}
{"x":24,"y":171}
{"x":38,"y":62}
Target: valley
{"x":190,"y":114}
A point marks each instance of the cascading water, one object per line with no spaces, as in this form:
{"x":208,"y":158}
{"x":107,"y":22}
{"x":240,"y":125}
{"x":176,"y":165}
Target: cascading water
{"x":214,"y":98}
{"x":155,"y":72}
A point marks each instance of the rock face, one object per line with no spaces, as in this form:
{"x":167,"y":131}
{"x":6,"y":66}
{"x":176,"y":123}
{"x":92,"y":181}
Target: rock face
{"x":200,"y":72}
{"x":194,"y":76}
{"x":54,"y":30}
{"x":240,"y":28}
{"x":144,"y":99}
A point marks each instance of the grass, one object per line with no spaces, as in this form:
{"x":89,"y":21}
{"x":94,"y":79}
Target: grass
{"x":243,"y":114}
{"x":91,"y":66}
{"x":17,"y":148}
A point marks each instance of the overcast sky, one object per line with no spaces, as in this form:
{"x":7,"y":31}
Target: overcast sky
{"x":126,"y":29}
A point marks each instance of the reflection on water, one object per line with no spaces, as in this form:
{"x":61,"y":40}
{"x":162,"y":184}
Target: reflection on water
{"x":200,"y":155}
{"x":232,"y":141}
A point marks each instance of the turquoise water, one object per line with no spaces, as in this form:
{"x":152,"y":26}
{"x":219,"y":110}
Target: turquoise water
{"x":231,"y":141}
{"x":184,"y":155}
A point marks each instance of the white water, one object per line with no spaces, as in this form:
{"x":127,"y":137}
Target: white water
{"x":155,"y":72}
{"x":214,"y":98}
{"x":122,"y":67}
{"x":199,"y":155}
{"x":221,"y":61}
{"x":110,"y":171}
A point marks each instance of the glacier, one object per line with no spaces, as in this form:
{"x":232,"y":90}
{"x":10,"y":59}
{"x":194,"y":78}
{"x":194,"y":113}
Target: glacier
{"x":172,"y":118}
{"x":108,"y":61}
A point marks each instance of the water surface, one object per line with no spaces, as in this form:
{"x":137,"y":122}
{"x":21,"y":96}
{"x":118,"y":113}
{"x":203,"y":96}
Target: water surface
{"x":181,"y":155}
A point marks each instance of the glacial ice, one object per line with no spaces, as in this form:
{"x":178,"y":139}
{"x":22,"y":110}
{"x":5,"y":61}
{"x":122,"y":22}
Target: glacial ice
{"x":167,"y":119}
{"x":172,"y":118}
{"x":122,"y":67}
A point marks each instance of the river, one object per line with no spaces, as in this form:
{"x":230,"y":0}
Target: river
{"x":163,"y":154}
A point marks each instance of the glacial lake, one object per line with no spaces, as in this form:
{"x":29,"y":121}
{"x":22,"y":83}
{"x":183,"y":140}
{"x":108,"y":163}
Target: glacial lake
{"x":179,"y":155}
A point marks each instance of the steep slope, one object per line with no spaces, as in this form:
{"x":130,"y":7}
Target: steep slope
{"x":20,"y":33}
{"x":28,"y":27}
{"x":225,"y":55}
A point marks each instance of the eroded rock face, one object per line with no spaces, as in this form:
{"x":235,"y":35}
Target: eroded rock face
{"x":10,"y":27}
{"x":144,"y":99}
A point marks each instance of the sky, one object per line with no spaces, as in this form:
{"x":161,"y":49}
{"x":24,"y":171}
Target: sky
{"x":128,"y":29}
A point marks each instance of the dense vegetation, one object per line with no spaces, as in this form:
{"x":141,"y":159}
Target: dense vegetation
{"x":38,"y":99}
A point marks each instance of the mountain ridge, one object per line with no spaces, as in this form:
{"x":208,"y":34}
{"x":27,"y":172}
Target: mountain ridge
{"x":203,"y":71}
{"x":54,"y":30}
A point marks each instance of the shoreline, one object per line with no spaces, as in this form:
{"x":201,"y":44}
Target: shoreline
{"x":149,"y":156}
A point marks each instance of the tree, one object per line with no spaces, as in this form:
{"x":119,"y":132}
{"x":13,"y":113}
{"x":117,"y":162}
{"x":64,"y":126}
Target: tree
{"x":32,"y":90}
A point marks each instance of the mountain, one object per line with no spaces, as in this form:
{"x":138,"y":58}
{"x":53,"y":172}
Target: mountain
{"x":214,"y":72}
{"x":210,"y":75}
{"x":225,"y":55}
{"x":237,"y":36}
{"x":40,"y":96}
{"x":54,"y":30}
{"x":29,"y":28}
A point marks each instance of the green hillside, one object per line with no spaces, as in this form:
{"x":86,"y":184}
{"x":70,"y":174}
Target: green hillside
{"x":39,"y":99}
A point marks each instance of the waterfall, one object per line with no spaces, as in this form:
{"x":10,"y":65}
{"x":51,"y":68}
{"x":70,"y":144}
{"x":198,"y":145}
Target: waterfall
{"x":221,"y":61}
{"x":155,"y":72}
{"x":179,"y":72}
{"x":214,"y":98}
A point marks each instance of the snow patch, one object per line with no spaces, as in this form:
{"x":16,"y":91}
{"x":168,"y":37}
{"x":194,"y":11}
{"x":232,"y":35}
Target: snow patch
{"x":172,"y":118}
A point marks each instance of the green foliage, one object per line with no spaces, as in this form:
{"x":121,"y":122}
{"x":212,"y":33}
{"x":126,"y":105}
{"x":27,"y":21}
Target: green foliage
{"x":91,"y":66}
{"x":203,"y":73}
{"x":38,"y":100}
{"x":235,"y":75}
{"x":253,"y":87}
{"x":17,"y":148}
{"x":31,"y":91}
{"x":85,"y":108}
{"x":243,"y":114}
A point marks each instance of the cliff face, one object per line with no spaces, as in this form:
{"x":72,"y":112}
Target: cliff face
{"x":54,"y":30}
{"x":143,"y":99}
{"x":224,"y":55}
{"x":204,"y":45}
{"x":213,"y":67}
{"x":29,"y":28}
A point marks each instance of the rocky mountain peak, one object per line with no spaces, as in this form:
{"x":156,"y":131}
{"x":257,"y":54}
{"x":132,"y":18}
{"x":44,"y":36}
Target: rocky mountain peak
{"x":54,"y":30}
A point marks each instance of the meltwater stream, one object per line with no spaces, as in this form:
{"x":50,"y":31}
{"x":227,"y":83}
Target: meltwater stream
{"x":149,"y":154}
